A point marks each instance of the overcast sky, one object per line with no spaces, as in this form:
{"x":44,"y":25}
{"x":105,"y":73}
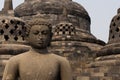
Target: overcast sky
{"x":100,"y":11}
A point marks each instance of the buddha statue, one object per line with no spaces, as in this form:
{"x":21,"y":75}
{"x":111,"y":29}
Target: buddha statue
{"x":38,"y":63}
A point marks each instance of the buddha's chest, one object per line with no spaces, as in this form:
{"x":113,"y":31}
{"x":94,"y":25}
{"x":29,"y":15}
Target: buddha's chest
{"x":36,"y":68}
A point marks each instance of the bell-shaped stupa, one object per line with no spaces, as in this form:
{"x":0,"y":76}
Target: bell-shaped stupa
{"x":106,"y":65}
{"x":70,"y":21}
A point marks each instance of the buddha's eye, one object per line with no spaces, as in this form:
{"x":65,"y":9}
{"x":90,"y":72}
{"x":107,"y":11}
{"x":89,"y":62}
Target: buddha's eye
{"x":44,"y":32}
{"x":36,"y":32}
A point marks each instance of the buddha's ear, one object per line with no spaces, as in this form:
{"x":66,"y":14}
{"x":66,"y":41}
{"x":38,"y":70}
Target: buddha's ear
{"x":27,"y":40}
{"x":27,"y":31}
{"x":51,"y":35}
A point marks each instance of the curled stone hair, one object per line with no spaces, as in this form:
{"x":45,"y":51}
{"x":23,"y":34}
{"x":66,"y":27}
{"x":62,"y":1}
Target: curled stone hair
{"x":38,"y":21}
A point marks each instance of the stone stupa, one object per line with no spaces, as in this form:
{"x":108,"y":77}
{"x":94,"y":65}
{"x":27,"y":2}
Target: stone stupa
{"x":12,"y":35}
{"x":106,"y":66}
{"x":72,"y":37}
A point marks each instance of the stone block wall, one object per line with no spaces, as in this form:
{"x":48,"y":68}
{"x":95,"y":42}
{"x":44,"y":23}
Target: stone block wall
{"x":104,"y":68}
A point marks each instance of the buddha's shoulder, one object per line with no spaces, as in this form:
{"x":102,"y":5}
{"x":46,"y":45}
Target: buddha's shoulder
{"x":20,"y":56}
{"x":58,"y":57}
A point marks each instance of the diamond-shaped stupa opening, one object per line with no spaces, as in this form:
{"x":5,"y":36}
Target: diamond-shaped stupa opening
{"x":6,"y":26}
{"x":15,"y":38}
{"x":6,"y":37}
{"x":12,"y":29}
{"x":1,"y":32}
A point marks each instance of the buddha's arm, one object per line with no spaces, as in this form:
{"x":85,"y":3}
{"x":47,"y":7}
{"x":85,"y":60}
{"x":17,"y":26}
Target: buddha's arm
{"x":66,"y":73}
{"x":11,"y":70}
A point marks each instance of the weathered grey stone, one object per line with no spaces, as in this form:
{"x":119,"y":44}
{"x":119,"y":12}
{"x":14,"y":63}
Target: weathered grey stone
{"x":99,"y":74}
{"x":106,"y":78}
{"x":94,"y":78}
{"x":82,"y":78}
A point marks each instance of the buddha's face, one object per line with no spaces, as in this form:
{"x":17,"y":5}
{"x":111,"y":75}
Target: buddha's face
{"x":39,"y":36}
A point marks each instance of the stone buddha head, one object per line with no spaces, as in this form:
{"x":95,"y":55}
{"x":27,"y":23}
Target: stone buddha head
{"x":39,"y":33}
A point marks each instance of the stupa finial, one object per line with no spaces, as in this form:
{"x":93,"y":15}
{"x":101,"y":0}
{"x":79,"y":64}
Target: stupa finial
{"x":8,"y":5}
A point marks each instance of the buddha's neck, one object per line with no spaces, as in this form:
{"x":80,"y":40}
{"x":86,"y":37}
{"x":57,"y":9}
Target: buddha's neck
{"x":41,"y":51}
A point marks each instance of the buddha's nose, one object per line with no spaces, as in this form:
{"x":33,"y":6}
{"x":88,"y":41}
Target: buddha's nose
{"x":40,"y":37}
